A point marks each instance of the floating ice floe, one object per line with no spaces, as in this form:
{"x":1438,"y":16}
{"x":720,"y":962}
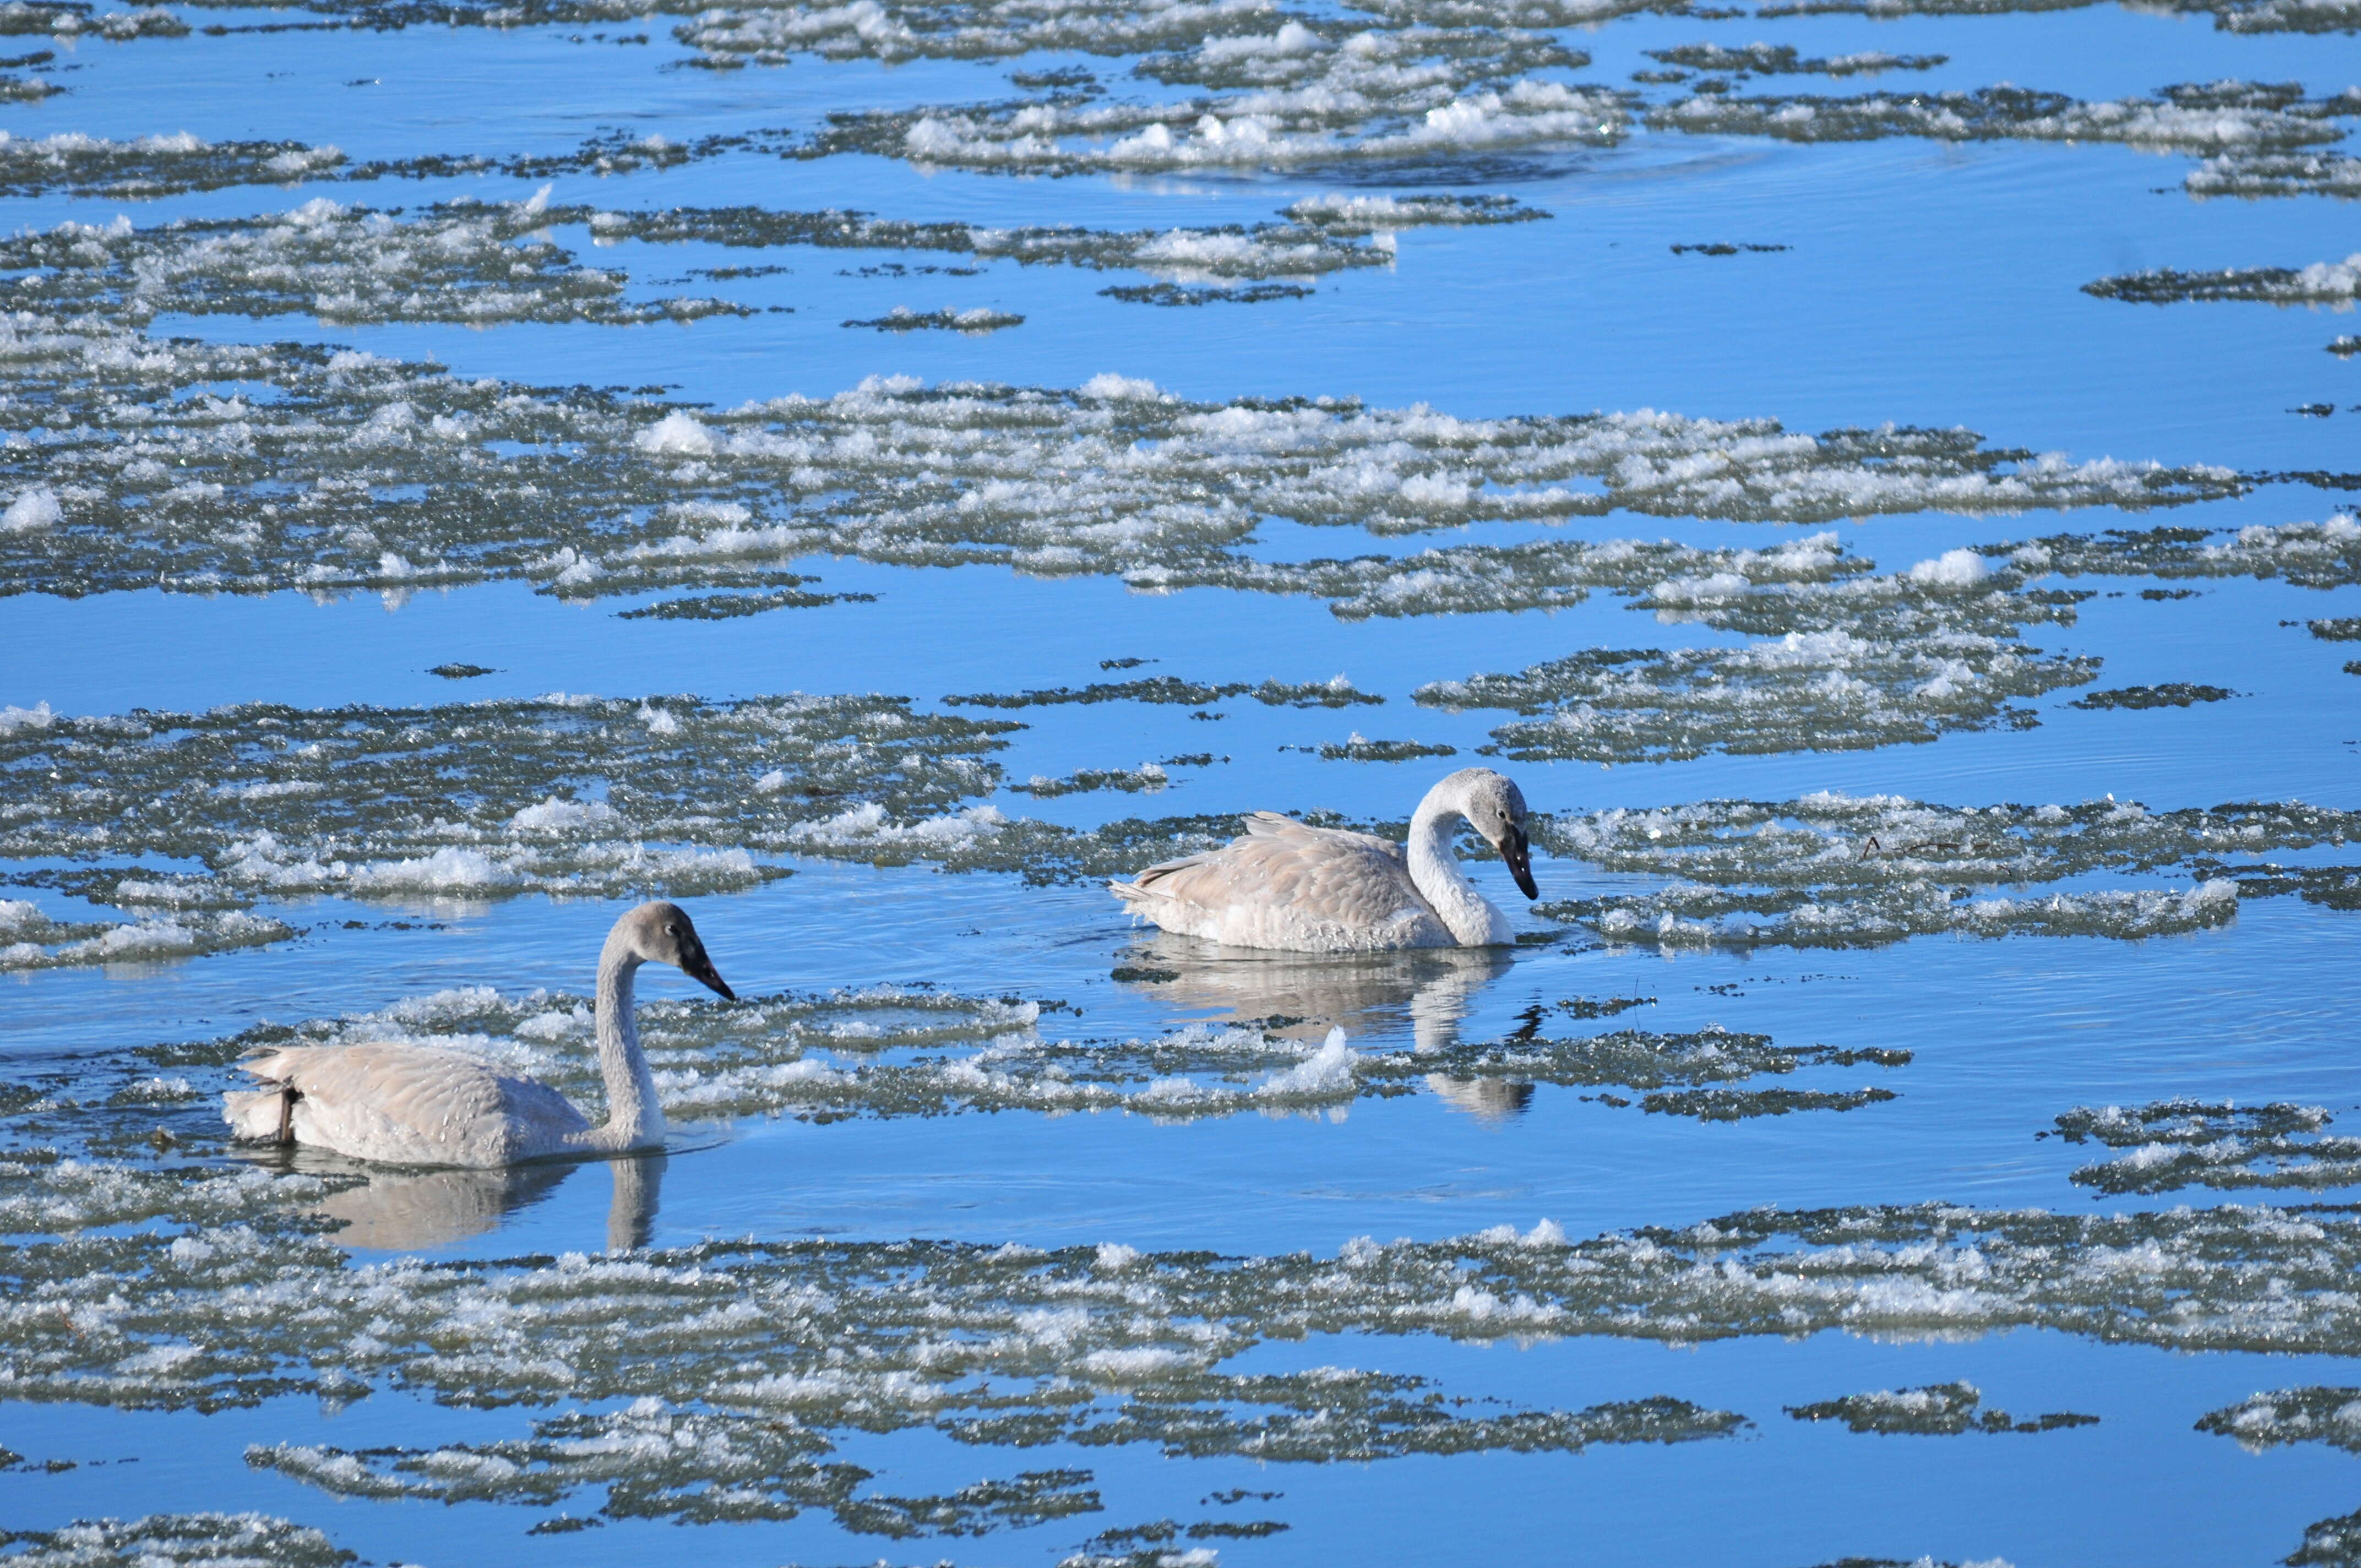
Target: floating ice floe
{"x":1784,"y":59}
{"x":467,"y":263}
{"x":1820,"y":690}
{"x":2170,"y":1144}
{"x":278,"y":803}
{"x":2212,"y":118}
{"x":2309,"y":555}
{"x":2333,"y":283}
{"x":75,"y":18}
{"x":894,"y":30}
{"x":2276,"y":174}
{"x":1941,"y":1410}
{"x":982,"y":1341}
{"x":332,"y":471}
{"x":30,"y":939}
{"x":2267,"y":1421}
{"x":1306,"y":95}
{"x":2229,"y":16}
{"x":152,"y":165}
{"x":1839,"y":871}
{"x":973,"y":323}
{"x":178,"y":1540}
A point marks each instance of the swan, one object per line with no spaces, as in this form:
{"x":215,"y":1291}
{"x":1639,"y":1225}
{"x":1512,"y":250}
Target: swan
{"x":1288,"y":884}
{"x":404,"y":1104}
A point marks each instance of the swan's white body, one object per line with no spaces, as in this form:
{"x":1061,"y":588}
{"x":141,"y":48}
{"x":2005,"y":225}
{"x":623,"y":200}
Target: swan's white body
{"x":404,"y":1104}
{"x":1322,"y":890}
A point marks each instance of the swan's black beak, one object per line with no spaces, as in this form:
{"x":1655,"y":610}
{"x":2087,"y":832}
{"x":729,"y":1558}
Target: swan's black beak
{"x":1518,"y":851}
{"x":700,"y":968}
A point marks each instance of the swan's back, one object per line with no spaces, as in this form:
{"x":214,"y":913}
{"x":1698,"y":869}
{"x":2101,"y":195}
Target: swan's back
{"x":405,"y":1105}
{"x":1288,"y":884}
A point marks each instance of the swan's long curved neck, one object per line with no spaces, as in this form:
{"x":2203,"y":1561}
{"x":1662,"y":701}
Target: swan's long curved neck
{"x":634,"y":1119}
{"x":1471,"y":916}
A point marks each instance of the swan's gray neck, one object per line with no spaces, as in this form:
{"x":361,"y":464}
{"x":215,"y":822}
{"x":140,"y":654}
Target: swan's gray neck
{"x":635,"y":1120}
{"x":1470,"y":916}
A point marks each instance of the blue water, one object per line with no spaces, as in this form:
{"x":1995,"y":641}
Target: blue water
{"x":1923,"y":283}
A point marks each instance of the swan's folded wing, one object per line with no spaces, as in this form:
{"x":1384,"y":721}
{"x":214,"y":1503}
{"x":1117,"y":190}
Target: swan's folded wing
{"x":415,"y":1104}
{"x":1347,"y":879}
{"x":1287,"y":830}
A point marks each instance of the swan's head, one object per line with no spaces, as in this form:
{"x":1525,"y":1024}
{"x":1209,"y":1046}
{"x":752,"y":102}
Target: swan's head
{"x":1497,"y":807}
{"x":664,"y":934}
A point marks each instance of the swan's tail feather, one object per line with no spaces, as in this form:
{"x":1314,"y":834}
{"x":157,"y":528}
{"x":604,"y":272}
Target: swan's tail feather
{"x":266,"y":1114}
{"x":261,"y":1115}
{"x":1131,"y":892}
{"x":1271,"y":825}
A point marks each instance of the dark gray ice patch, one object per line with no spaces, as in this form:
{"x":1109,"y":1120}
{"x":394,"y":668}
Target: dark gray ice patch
{"x":2322,"y":283}
{"x":1940,"y":1409}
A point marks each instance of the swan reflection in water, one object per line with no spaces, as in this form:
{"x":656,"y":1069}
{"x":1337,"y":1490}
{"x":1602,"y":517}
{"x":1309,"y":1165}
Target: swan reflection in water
{"x":1301,"y":996}
{"x":412,"y":1210}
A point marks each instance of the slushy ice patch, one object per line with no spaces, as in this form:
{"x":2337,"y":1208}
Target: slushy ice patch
{"x":2276,"y":174}
{"x":2267,"y":1421}
{"x":30,"y":939}
{"x":199,"y":467}
{"x":2216,"y":118}
{"x":2171,"y":694}
{"x":2332,"y":283}
{"x":1000,"y":1346}
{"x":560,"y":794}
{"x":1320,"y":123}
{"x":976,"y":321}
{"x":75,"y":19}
{"x":1784,"y":59}
{"x":2229,"y":16}
{"x":2171,"y":1143}
{"x":699,"y":1468}
{"x":177,"y":1540}
{"x":2309,"y":555}
{"x":962,"y":1336}
{"x":657,"y":1461}
{"x":471,"y":264}
{"x":1311,"y":92}
{"x":1842,"y":871}
{"x":1338,"y":692}
{"x":1940,"y":1409}
{"x":151,"y":166}
{"x":1857,"y":662}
